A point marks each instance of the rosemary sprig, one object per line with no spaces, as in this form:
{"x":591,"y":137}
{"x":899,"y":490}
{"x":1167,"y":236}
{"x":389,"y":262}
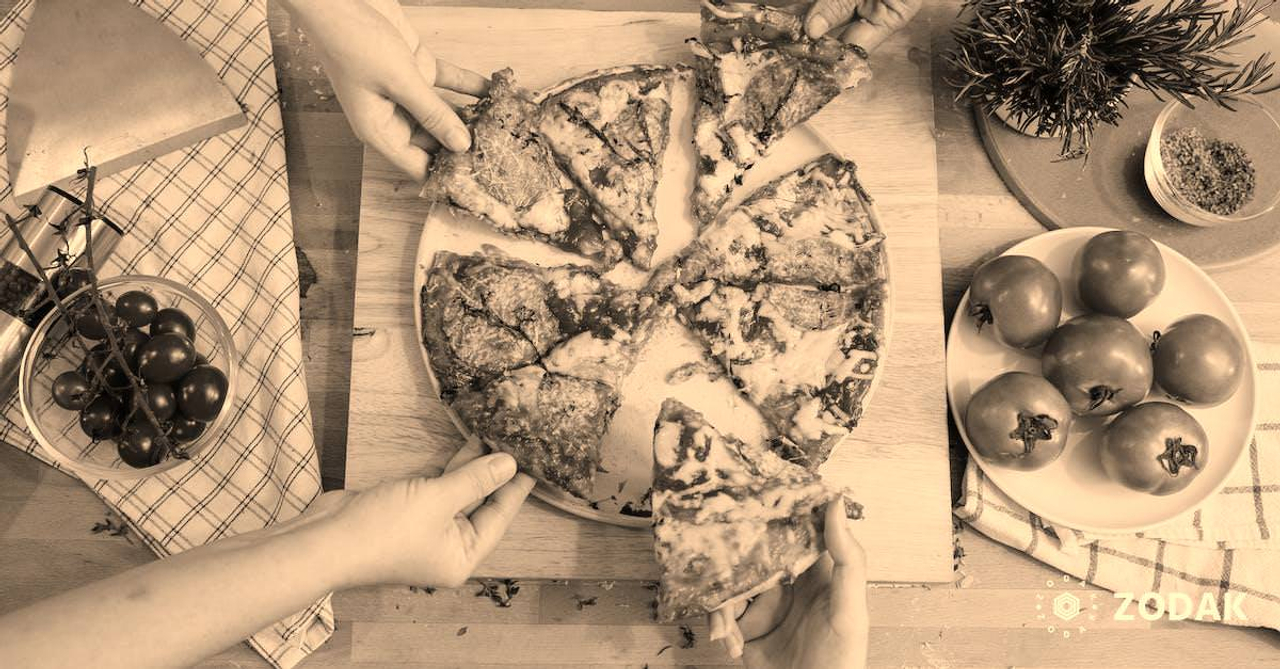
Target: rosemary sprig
{"x":1062,"y":67}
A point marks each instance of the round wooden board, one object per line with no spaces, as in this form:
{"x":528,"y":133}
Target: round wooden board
{"x":1109,"y":190}
{"x":627,"y":449}
{"x":1073,"y":491}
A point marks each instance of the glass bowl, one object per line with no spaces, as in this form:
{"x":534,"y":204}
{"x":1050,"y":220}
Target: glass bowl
{"x":1252,"y":126}
{"x":51,"y":351}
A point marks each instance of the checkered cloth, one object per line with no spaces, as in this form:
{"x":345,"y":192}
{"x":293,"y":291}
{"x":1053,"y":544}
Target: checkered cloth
{"x":215,"y":216}
{"x":1227,"y":548}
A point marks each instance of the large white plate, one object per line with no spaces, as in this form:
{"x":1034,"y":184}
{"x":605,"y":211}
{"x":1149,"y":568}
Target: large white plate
{"x":1073,"y":490}
{"x":627,"y":449}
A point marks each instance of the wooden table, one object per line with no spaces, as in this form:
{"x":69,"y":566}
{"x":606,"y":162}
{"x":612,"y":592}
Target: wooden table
{"x":985,"y":618}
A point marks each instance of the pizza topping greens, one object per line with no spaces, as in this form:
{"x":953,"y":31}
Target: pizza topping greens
{"x":730,"y":519}
{"x":610,"y":131}
{"x":509,"y":178}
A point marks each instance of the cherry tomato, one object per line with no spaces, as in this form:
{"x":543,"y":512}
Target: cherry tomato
{"x":160,"y":398}
{"x":1019,"y":297}
{"x":202,"y":392}
{"x":1100,"y":363}
{"x":68,"y":280}
{"x":166,"y":358}
{"x":89,"y":324}
{"x":71,"y":390}
{"x":172,"y":320}
{"x":112,"y":375}
{"x":1121,"y":272}
{"x":101,"y":418}
{"x":1018,"y":420}
{"x":185,"y":429}
{"x":1199,"y":360}
{"x":1155,"y":447}
{"x":136,"y":308}
{"x":141,"y":445}
{"x":130,"y":343}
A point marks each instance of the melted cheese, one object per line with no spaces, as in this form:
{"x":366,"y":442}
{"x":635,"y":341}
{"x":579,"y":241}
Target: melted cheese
{"x":589,"y":357}
{"x":547,"y":216}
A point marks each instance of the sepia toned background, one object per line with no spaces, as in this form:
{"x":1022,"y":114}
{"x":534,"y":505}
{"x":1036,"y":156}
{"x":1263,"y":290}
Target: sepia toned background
{"x":48,"y":541}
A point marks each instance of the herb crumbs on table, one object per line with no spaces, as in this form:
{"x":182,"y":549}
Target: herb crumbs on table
{"x":687,"y":638}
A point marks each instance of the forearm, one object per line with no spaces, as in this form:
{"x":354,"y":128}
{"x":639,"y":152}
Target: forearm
{"x":182,"y":609}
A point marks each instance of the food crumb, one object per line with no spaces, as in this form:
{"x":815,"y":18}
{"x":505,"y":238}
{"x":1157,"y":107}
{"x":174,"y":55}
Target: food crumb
{"x":584,"y":602}
{"x":462,"y":630}
{"x":687,"y":638}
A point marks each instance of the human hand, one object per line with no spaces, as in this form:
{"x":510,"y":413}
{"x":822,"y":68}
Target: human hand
{"x":873,"y":21}
{"x":385,"y":79}
{"x":819,"y":622}
{"x":428,"y":531}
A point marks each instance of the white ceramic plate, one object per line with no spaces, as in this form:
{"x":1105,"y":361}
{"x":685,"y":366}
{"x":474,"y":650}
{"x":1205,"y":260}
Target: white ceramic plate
{"x":1073,"y":490}
{"x":627,"y":449}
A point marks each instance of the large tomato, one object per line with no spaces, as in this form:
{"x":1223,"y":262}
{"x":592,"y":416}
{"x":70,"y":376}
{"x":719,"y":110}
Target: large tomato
{"x":1121,"y":273}
{"x":1155,"y":447}
{"x":1100,"y":363}
{"x":1199,"y":360}
{"x":1018,"y":420}
{"x":1019,"y":297}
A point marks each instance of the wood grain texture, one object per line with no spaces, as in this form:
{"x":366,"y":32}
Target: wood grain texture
{"x":397,"y":426}
{"x":984,"y":619}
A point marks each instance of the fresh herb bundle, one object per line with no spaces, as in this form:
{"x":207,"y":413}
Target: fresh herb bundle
{"x":1061,"y":67}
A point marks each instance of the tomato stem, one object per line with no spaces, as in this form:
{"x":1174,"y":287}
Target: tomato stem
{"x":1033,"y":428}
{"x":1155,"y":341}
{"x":1177,"y":455}
{"x":982,"y":314}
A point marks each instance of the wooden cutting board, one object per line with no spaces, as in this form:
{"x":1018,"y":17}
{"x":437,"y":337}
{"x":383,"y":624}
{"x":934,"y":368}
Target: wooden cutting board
{"x":896,"y":461}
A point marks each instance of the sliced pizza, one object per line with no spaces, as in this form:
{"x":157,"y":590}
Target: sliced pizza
{"x":530,"y":358}
{"x":610,"y":130}
{"x":804,"y":356}
{"x":812,"y":226}
{"x":509,"y":178}
{"x":730,"y":519}
{"x":552,"y":424}
{"x":750,"y":93}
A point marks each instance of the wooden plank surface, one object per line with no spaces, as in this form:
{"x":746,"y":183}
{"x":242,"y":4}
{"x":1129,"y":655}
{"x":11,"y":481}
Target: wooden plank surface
{"x":983,"y":619}
{"x":896,"y":460}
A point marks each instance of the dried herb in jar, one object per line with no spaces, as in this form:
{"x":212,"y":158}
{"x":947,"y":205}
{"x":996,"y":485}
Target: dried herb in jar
{"x":1213,"y":174}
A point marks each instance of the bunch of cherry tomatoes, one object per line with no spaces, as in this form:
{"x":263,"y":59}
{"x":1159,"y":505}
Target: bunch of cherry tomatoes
{"x":1100,"y":364}
{"x":179,"y":386}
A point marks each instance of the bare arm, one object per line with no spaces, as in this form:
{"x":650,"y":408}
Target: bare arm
{"x":182,"y":609}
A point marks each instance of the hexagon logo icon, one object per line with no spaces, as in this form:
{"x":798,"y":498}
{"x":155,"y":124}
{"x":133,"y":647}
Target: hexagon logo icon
{"x":1066,"y":606}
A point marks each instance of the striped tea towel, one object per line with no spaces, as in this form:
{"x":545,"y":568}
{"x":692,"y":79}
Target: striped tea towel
{"x":1227,"y":548}
{"x":215,"y":216}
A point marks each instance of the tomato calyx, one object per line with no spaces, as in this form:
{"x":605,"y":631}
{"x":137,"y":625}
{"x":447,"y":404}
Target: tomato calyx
{"x":1155,"y":341}
{"x":1177,"y":455}
{"x":1033,"y":428}
{"x":982,"y":314}
{"x":1099,"y":395}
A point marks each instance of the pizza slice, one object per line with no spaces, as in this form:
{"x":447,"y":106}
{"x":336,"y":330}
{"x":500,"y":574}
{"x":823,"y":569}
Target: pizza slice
{"x":530,"y":358}
{"x":509,"y":178}
{"x":730,"y":519}
{"x":812,"y":226}
{"x":750,"y":93}
{"x":806,"y":357}
{"x":610,"y":130}
{"x":552,"y":424}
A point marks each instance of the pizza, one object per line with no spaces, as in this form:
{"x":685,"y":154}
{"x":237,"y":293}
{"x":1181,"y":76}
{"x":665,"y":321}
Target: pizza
{"x":752,"y":90}
{"x":730,"y":519}
{"x":509,"y":178}
{"x":530,"y":358}
{"x":786,"y":292}
{"x":610,"y":131}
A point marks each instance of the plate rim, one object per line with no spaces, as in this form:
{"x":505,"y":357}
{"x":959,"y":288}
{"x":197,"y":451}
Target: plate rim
{"x":958,"y":319}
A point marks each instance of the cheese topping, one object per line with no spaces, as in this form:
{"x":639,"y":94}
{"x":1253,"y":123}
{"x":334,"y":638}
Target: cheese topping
{"x":589,"y":357}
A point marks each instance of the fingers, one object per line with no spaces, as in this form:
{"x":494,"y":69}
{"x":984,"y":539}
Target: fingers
{"x":475,"y":480}
{"x":459,"y":80}
{"x":848,"y":574}
{"x":492,"y":519}
{"x":472,"y":448}
{"x":410,"y":159}
{"x":877,"y":20}
{"x":866,"y":34}
{"x":433,"y":113}
{"x":827,"y":13}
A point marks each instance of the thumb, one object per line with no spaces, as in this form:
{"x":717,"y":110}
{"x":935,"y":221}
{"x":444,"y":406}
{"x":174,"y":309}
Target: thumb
{"x":827,"y":13}
{"x":475,"y":480}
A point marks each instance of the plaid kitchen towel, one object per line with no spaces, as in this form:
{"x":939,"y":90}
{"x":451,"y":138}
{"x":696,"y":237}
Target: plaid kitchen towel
{"x":215,"y":216}
{"x":1228,"y":548}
